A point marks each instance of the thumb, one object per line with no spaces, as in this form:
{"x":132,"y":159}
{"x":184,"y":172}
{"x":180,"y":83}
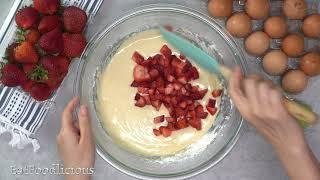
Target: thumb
{"x":84,"y":124}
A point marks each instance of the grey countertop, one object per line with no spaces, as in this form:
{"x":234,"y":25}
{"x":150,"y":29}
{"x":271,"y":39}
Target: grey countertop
{"x":251,"y":159}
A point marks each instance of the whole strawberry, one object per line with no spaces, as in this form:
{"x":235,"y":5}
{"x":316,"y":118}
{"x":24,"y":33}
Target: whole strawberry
{"x":32,"y":36}
{"x":27,"y":17}
{"x":52,"y":41}
{"x":25,"y":52}
{"x":40,"y":91}
{"x":46,"y":6}
{"x":48,"y":23}
{"x":74,"y":19}
{"x":63,"y":65}
{"x":26,"y":86}
{"x":74,"y":44}
{"x":9,"y":54}
{"x":12,"y":75}
{"x":50,"y":63}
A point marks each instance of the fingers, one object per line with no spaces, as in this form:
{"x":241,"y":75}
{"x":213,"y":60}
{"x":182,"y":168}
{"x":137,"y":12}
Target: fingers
{"x":84,"y":124}
{"x":235,"y":90}
{"x":67,"y":122}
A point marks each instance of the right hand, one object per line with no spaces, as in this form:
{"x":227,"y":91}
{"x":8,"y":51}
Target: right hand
{"x":261,"y":103}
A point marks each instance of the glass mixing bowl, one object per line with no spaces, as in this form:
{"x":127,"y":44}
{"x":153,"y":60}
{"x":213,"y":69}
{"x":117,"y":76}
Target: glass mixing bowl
{"x":206,"y":34}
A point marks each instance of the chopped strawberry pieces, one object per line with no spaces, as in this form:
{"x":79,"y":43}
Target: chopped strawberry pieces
{"x":158,"y":119}
{"x":212,"y":110}
{"x":156,"y":132}
{"x":216,"y":93}
{"x":138,"y":58}
{"x":166,"y":79}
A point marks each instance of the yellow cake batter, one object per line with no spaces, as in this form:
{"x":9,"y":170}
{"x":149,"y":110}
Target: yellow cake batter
{"x":131,"y":126}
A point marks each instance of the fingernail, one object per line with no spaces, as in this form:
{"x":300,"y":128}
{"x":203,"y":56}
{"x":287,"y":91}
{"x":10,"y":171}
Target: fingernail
{"x":83,"y":110}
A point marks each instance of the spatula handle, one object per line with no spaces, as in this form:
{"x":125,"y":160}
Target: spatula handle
{"x":295,"y":109}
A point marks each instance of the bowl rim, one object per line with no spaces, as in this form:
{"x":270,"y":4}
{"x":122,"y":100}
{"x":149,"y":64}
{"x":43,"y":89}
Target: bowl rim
{"x":127,"y":15}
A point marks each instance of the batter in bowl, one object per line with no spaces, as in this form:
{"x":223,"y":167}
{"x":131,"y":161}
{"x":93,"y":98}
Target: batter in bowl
{"x":132,"y":127}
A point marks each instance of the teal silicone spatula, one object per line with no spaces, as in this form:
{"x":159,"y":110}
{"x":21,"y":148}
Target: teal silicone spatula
{"x":204,"y":60}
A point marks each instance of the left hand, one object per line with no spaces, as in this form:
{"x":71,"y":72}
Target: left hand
{"x":75,"y":143}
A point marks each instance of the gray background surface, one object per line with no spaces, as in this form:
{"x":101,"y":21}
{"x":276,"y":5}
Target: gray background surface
{"x":251,"y":159}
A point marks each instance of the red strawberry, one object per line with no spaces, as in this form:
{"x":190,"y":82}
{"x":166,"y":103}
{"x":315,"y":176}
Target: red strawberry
{"x":211,"y":103}
{"x":53,"y":81}
{"x":10,"y":52}
{"x":200,"y":112}
{"x":156,"y":104}
{"x":29,"y":68}
{"x":27,"y":17}
{"x":140,"y":74}
{"x":63,"y":64}
{"x":25,"y":52}
{"x":141,"y":102}
{"x":26,"y":86}
{"x":46,"y":6}
{"x":166,"y":51}
{"x":32,"y":36}
{"x":74,"y":19}
{"x":138,"y":58}
{"x":195,"y":124}
{"x":49,"y":23}
{"x":166,"y":132}
{"x":216,"y":93}
{"x":74,"y":44}
{"x":12,"y":75}
{"x":156,"y":132}
{"x":40,"y":91}
{"x":181,"y":124}
{"x":171,"y":119}
{"x":212,"y":110}
{"x":52,"y":42}
{"x":158,"y":119}
{"x":50,"y":63}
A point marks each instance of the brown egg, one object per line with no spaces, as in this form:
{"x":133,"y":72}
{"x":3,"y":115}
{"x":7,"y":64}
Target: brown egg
{"x":275,"y":62}
{"x":257,"y":43}
{"x":311,"y":26}
{"x":276,"y":27}
{"x":257,"y":9}
{"x":294,"y":81}
{"x":293,"y":45}
{"x":239,"y":25}
{"x":310,"y":64}
{"x":295,"y":9}
{"x":220,"y":8}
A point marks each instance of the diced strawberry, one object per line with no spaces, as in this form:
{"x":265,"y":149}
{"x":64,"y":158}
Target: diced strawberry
{"x":216,"y":93}
{"x":143,"y":90}
{"x":191,"y":107}
{"x":174,"y":101}
{"x":151,"y":91}
{"x":138,"y":58}
{"x":137,"y":96}
{"x":166,"y":132}
{"x":140,"y":74}
{"x":169,"y":89}
{"x":182,"y":80}
{"x":182,"y":56}
{"x":141,"y":102}
{"x":182,"y":123}
{"x":147,"y":98}
{"x":160,"y":82}
{"x":180,"y":112}
{"x":171,"y":119}
{"x":156,"y":104}
{"x":147,"y":62}
{"x":166,"y":51}
{"x":177,"y":86}
{"x":200,"y":112}
{"x":140,"y":84}
{"x":170,"y":78}
{"x":212,"y":110}
{"x":156,"y":132}
{"x":175,"y":62}
{"x":193,"y":73}
{"x":158,"y":119}
{"x":183,"y":104}
{"x":154,"y":73}
{"x":195,"y":124}
{"x":172,"y":126}
{"x":211,"y":103}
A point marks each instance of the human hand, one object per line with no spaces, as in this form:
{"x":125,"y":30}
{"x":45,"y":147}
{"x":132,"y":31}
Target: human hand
{"x":261,"y":104}
{"x":75,"y":142}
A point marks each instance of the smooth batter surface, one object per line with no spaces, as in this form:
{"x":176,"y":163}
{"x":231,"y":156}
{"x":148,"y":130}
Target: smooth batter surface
{"x":131,"y":126}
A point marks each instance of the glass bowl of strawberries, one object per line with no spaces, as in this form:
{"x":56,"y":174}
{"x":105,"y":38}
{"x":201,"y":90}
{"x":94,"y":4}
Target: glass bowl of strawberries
{"x":207,"y":34}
